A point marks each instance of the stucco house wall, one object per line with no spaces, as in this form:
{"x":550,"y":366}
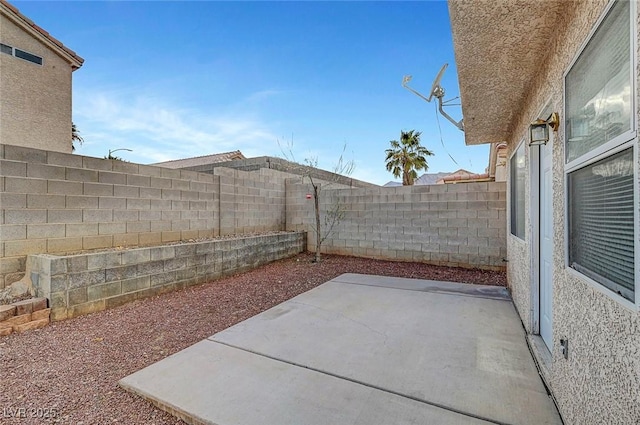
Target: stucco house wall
{"x":600,"y":381}
{"x":36,"y":99}
{"x":516,"y":54}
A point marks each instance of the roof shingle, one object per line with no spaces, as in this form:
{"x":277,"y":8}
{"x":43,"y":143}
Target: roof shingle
{"x":201,"y":160}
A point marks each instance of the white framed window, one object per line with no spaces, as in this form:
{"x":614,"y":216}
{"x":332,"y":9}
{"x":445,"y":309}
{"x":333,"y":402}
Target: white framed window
{"x":601,"y":151}
{"x":18,"y":53}
{"x":516,"y":191}
{"x":6,"y":49}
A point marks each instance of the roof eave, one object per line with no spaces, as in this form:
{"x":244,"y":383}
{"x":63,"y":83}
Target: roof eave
{"x":497,"y":59}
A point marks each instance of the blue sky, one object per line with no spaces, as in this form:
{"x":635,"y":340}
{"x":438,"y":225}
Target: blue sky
{"x":178,"y":79}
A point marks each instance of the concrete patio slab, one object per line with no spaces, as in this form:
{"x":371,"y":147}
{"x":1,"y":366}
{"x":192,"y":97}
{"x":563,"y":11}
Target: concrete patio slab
{"x":482,"y":291}
{"x":361,"y":349}
{"x":210,"y":383}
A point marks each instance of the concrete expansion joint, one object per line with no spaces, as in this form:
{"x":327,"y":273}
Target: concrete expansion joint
{"x":365,"y":384}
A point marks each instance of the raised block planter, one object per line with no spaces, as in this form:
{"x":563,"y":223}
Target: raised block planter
{"x":85,"y":283}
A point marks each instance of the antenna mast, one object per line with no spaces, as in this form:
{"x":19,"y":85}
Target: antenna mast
{"x":437,"y":91}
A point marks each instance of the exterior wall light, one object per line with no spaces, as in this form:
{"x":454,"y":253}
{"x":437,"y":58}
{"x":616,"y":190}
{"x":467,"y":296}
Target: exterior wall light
{"x":539,"y":129}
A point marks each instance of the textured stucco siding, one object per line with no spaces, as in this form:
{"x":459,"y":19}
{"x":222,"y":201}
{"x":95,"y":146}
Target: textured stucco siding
{"x":600,"y":381}
{"x":518,"y":258}
{"x":518,"y":276}
{"x":36,"y":100}
{"x":510,"y":32}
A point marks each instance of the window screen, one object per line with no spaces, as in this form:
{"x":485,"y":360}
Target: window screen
{"x":601,"y":222}
{"x":601,"y":204}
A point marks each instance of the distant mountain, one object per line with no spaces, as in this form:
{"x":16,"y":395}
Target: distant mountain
{"x":426,"y":178}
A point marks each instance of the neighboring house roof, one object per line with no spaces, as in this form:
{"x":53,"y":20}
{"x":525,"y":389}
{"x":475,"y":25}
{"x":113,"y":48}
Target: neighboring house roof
{"x":201,"y":160}
{"x":465,"y":178}
{"x":499,"y":47}
{"x":459,"y":176}
{"x":53,"y":43}
{"x":425,"y":179}
{"x":458,"y":172}
{"x":429,"y":178}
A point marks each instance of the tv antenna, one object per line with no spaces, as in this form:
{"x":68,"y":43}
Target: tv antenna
{"x":437,"y":91}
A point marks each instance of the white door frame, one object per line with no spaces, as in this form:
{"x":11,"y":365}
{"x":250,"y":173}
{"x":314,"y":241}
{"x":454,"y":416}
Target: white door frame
{"x":546,"y":243}
{"x":534,"y":226}
{"x":534,"y":240}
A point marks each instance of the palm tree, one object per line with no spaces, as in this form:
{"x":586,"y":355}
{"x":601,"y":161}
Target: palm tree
{"x":407,"y":156}
{"x":75,"y":137}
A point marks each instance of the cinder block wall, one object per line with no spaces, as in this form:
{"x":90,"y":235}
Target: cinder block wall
{"x":58,"y":203}
{"x":251,"y":201}
{"x":454,"y":225}
{"x":53,"y":202}
{"x":90,"y":282}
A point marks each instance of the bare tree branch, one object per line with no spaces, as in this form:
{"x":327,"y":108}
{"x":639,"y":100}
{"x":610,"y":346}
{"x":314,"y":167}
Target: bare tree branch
{"x":335,"y":213}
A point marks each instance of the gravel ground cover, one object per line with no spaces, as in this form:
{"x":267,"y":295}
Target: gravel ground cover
{"x":68,"y":372}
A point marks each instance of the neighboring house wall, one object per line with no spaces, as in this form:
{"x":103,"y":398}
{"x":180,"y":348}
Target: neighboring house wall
{"x":36,"y":99}
{"x":498,"y":161}
{"x":599,"y":382}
